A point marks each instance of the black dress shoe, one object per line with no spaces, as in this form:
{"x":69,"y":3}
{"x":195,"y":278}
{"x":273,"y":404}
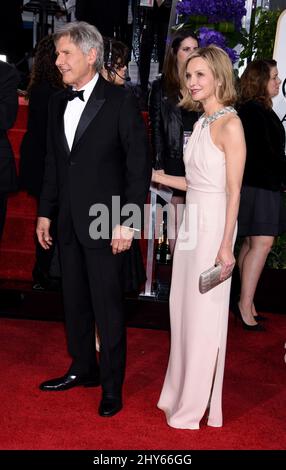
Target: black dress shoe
{"x":69,"y":381}
{"x":237,"y":313}
{"x":260,"y":317}
{"x":109,"y":406}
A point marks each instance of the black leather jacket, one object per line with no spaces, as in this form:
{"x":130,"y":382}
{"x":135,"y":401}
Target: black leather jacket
{"x":167,"y":132}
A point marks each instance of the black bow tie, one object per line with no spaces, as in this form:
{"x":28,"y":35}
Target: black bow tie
{"x":72,"y":94}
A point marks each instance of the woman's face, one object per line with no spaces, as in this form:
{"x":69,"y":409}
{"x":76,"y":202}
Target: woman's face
{"x":273,"y":83}
{"x":186,"y":47}
{"x":120,"y":71}
{"x":200,"y":80}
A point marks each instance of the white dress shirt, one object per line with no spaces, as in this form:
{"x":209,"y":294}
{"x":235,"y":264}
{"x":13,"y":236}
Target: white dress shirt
{"x":74,"y":110}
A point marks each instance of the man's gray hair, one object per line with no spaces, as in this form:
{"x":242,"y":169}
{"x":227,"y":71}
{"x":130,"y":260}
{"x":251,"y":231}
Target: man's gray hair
{"x":85,"y":36}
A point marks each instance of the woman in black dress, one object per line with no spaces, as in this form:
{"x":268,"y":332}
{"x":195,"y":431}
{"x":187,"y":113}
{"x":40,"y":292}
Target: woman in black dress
{"x":261,"y":215}
{"x":44,"y":82}
{"x":171,"y":125}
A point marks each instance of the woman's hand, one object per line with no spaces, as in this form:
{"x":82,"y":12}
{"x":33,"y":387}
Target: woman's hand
{"x":227,"y":261}
{"x":156,"y":175}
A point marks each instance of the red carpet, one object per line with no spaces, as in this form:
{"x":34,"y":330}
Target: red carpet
{"x":32,"y":351}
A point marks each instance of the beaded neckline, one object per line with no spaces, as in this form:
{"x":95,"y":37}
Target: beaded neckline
{"x":208,"y":120}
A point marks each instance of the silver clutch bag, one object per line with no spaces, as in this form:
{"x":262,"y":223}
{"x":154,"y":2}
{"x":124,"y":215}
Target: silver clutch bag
{"x":210,"y":278}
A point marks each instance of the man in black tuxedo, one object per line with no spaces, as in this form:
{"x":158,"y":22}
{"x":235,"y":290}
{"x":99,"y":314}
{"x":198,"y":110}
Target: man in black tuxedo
{"x":97,"y":159}
{"x":9,"y":80}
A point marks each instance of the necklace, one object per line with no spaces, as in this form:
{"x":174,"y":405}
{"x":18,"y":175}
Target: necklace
{"x":208,"y":120}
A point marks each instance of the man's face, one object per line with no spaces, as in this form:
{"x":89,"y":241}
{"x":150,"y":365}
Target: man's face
{"x":76,"y":67}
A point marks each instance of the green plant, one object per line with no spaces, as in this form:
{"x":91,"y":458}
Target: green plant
{"x":277,"y":256}
{"x":259,"y":43}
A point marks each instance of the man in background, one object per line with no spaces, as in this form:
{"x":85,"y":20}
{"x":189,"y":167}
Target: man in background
{"x":9,"y":80}
{"x":155,"y":23}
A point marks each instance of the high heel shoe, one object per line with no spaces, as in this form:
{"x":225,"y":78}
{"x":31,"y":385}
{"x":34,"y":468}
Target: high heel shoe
{"x":237,"y":313}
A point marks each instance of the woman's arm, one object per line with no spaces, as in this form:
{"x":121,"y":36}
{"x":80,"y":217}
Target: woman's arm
{"x":233,"y":144}
{"x":178,"y":182}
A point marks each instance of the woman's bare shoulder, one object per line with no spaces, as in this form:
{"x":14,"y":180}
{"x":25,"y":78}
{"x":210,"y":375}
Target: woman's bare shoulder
{"x":231,"y":123}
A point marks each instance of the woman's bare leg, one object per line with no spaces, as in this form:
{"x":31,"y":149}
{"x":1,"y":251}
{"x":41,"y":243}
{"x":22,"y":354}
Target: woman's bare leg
{"x":243,"y":251}
{"x":252,"y":264}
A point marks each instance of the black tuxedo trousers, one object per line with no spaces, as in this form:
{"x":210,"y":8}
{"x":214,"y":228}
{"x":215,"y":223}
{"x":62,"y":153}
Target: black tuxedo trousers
{"x":93,"y":294}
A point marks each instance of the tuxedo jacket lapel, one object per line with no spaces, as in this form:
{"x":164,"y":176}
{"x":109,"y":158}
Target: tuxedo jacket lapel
{"x":60,"y":123}
{"x":95,"y":102}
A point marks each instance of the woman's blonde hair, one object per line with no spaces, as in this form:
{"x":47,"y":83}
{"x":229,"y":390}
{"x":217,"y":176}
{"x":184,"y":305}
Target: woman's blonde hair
{"x":221,"y":68}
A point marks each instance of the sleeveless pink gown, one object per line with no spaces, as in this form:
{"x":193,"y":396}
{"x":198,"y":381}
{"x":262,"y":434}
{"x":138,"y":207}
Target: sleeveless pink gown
{"x":194,"y":377}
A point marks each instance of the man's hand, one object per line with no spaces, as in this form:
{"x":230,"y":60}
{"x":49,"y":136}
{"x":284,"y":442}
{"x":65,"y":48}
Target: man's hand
{"x":43,"y":232}
{"x":121,"y":239}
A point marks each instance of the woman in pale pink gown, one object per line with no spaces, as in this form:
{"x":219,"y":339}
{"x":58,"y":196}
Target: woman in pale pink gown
{"x":214,"y":161}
